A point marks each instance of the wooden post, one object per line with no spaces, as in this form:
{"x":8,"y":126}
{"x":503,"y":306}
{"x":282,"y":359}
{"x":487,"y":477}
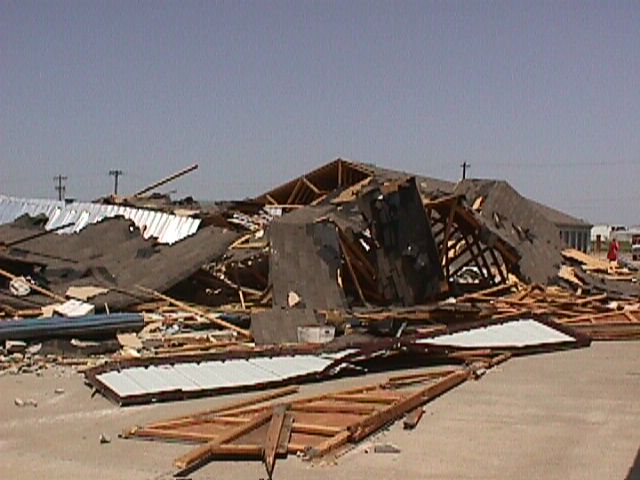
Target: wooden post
{"x":165,"y":180}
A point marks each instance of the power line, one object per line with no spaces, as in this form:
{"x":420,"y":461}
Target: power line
{"x":59,"y":187}
{"x":562,"y":165}
{"x":115,"y":174}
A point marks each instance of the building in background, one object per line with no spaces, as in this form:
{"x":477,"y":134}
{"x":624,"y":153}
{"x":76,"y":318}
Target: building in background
{"x":574,"y":232}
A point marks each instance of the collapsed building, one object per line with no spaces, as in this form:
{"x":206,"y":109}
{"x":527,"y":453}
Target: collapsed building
{"x":339,"y":269}
{"x":344,"y":235}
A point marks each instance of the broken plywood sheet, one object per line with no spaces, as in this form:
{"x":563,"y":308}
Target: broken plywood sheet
{"x":305,"y":259}
{"x":85,"y":293}
{"x":409,"y":269}
{"x":112,"y":254}
{"x":280,"y":325}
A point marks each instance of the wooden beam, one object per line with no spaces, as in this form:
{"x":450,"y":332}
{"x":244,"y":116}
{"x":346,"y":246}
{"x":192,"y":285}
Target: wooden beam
{"x":271,"y":199}
{"x":499,"y":266}
{"x":166,"y":180}
{"x":294,"y":192}
{"x":315,"y":189}
{"x":204,"y":452}
{"x":367,"y":398}
{"x":334,"y":408}
{"x":354,"y":277}
{"x":240,"y":240}
{"x":376,"y":421}
{"x":313,"y":429}
{"x":423,"y":375}
{"x":195,"y":311}
{"x":447,"y":232}
{"x":412,"y":418}
{"x":37,"y":288}
{"x":371,"y":271}
{"x":229,"y":409}
{"x":273,"y":438}
{"x":236,"y":450}
{"x":174,"y":435}
{"x":487,"y":292}
{"x":329,"y":444}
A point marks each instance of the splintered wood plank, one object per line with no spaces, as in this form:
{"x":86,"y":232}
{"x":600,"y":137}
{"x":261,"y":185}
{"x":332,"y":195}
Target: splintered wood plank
{"x":412,"y":418}
{"x":273,"y":437}
{"x":285,"y":435}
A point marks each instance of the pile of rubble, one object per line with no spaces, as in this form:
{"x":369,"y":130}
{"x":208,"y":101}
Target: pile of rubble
{"x":348,"y":268}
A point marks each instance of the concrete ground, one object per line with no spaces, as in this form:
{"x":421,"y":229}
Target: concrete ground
{"x":569,"y":415}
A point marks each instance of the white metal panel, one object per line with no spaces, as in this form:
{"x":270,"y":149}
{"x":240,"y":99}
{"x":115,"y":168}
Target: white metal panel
{"x":286,"y":367}
{"x":215,"y":374}
{"x":123,"y":385}
{"x":167,"y":228}
{"x":517,"y":333}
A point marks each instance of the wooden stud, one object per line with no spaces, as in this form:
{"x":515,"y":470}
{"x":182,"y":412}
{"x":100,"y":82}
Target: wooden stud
{"x":273,"y":438}
{"x":285,"y":435}
{"x":294,"y":193}
{"x":354,"y":277}
{"x":313,"y":429}
{"x":315,"y":189}
{"x":334,"y":408}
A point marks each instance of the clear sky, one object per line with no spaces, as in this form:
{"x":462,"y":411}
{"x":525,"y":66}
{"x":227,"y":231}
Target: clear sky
{"x":543,"y":94}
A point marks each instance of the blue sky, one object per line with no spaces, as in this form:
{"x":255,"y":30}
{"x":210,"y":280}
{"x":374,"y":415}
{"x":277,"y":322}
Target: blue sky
{"x":543,"y":94}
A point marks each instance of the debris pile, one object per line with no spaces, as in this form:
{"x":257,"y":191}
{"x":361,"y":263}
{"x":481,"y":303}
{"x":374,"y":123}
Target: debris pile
{"x":349,"y":268}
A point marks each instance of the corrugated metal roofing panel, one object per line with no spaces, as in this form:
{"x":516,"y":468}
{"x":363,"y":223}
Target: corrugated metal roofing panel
{"x":517,"y":333}
{"x":166,"y":228}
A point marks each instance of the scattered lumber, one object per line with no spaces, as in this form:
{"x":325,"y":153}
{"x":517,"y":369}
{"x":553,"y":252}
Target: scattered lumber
{"x":319,"y":424}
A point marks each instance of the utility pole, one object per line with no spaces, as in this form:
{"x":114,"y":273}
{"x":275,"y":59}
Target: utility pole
{"x":116,"y":174}
{"x":60,"y":188}
{"x":464,"y":166}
